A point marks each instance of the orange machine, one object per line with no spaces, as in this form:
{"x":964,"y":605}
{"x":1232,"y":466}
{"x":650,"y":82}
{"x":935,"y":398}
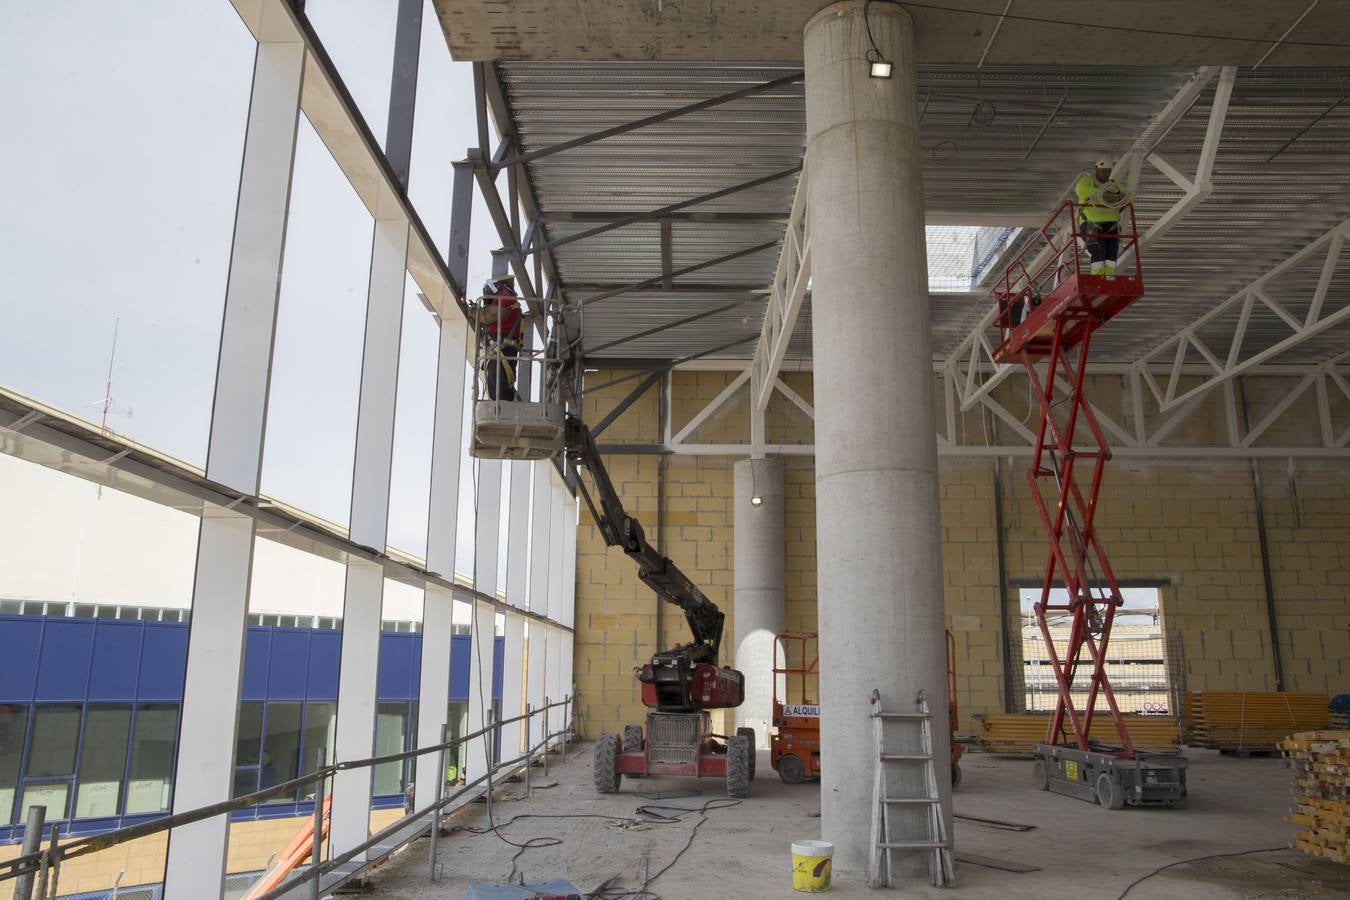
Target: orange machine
{"x":794,"y":749}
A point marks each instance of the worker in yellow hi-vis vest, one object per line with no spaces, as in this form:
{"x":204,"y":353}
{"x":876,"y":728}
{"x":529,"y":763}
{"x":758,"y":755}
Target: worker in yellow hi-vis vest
{"x":1100,"y":199}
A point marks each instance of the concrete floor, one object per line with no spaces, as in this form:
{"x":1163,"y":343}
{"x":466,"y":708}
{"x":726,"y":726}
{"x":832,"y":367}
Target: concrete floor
{"x":742,"y":852}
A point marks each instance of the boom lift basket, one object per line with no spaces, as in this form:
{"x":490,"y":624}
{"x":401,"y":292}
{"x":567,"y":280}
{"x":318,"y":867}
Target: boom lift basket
{"x":533,"y":426}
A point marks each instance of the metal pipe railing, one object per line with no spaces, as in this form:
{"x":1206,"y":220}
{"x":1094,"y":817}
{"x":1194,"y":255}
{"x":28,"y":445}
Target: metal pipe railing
{"x":50,"y":859}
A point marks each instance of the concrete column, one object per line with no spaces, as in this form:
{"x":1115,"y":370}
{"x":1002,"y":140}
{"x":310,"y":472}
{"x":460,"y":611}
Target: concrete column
{"x":879,"y":553}
{"x":758,"y":577}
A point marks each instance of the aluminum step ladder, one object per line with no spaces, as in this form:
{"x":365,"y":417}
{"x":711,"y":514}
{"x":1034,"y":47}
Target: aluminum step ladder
{"x":935,"y":843}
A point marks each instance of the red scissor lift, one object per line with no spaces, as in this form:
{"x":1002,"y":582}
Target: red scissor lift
{"x":1048,"y":308}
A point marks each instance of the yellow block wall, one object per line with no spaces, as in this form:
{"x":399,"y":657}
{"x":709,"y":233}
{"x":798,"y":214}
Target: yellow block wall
{"x":1191,"y":524}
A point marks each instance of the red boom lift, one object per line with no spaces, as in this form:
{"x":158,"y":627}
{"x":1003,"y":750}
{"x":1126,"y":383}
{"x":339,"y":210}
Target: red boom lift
{"x":1048,"y":307}
{"x":680,"y":685}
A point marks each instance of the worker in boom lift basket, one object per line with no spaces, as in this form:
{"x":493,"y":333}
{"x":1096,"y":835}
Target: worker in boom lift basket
{"x":1100,"y":198}
{"x":501,"y":326}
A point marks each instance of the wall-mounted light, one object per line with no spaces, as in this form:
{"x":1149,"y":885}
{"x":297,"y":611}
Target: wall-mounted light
{"x":880,"y":68}
{"x":756,"y":501}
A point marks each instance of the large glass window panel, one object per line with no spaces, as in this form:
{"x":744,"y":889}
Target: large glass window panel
{"x":248,"y":749}
{"x":150,"y":787}
{"x":320,"y":332}
{"x":103,"y":760}
{"x":359,"y":37}
{"x":414,"y":421}
{"x":457,"y":716}
{"x":320,"y":722}
{"x":54,"y":796}
{"x":56,"y":734}
{"x":134,"y":132}
{"x":391,"y":722}
{"x":441,"y":128}
{"x":281,"y":745}
{"x":13,"y":725}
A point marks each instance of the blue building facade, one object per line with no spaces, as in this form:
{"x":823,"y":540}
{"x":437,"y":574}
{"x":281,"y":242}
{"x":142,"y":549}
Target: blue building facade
{"x":89,"y":713}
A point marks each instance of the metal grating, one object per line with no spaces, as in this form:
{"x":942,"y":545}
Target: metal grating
{"x":986,"y":159}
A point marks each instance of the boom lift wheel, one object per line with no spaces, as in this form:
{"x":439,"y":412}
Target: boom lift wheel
{"x":632,"y":743}
{"x":738,"y":766}
{"x":790,"y":769}
{"x":749,"y":734}
{"x":604,"y":764}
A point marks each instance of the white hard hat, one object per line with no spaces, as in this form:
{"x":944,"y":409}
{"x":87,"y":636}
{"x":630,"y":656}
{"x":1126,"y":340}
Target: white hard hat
{"x":1103,"y":163}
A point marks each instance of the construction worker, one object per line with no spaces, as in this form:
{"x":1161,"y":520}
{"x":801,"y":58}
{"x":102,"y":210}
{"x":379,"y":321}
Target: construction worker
{"x":1100,"y":200}
{"x":502,"y":325}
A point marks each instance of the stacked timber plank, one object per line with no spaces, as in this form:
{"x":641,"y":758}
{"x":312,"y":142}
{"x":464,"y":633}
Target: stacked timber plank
{"x":1250,"y":721}
{"x":1020,"y":732}
{"x":1321,"y":765}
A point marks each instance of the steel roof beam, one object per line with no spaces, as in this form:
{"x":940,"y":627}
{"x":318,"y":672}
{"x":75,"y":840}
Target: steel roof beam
{"x":687,"y":270}
{"x":676,"y":324}
{"x":666,"y":211}
{"x":652,"y":120}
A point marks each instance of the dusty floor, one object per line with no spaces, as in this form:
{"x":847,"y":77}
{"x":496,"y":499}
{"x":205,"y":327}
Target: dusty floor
{"x":742,"y":852}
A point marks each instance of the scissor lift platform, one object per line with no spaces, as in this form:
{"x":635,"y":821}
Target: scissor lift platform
{"x":1084,"y":302}
{"x":517,"y":429}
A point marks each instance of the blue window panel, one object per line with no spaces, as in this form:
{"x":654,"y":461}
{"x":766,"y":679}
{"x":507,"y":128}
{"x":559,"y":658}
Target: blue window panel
{"x":289,"y":666}
{"x":257,"y":655}
{"x":63,"y":665}
{"x":498,"y":663}
{"x":398,"y":668}
{"x":117,"y":661}
{"x":325,"y":651}
{"x":460,"y":647}
{"x":163,"y":661}
{"x":20,"y":639}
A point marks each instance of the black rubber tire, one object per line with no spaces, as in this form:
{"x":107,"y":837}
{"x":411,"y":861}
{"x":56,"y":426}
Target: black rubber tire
{"x":791,"y":769}
{"x":1040,"y":775}
{"x":956,"y":775}
{"x":632,"y":738}
{"x":604,"y":764}
{"x":749,"y":734}
{"x":1109,"y":794}
{"x":738,"y":766}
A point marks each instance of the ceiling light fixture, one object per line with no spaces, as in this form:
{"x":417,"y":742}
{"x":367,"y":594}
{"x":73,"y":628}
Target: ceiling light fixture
{"x":756,"y":501}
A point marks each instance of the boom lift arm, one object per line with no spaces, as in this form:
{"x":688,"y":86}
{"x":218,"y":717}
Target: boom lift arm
{"x":656,"y":571}
{"x":687,"y":677}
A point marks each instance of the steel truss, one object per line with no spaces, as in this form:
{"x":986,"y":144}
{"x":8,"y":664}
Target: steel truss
{"x":1251,"y":303}
{"x":998,"y":426}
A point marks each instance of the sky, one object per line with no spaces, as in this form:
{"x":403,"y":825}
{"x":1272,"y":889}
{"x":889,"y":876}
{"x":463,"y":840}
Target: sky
{"x":127,"y":163}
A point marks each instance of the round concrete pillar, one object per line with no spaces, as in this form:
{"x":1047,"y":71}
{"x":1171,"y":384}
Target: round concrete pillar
{"x":878,"y":544}
{"x":758,"y":579}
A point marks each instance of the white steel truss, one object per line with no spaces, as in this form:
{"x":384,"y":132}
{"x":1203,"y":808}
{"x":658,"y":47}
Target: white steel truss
{"x":786,"y":295}
{"x":1255,"y":298}
{"x":973,"y":356}
{"x":1126,"y":407}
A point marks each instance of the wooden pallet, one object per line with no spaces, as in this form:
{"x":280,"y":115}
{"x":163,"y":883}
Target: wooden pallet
{"x":1320,"y":761}
{"x":1250,"y":721}
{"x":1020,"y":732}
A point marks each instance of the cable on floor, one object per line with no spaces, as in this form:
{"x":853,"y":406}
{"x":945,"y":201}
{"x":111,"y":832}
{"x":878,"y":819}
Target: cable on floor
{"x":1181,"y":862}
